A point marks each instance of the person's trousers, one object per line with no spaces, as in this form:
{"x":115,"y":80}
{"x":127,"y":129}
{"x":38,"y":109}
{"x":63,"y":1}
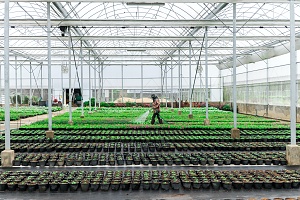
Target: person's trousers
{"x":158,"y":117}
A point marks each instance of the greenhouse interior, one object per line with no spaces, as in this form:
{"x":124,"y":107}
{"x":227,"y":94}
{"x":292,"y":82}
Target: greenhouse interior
{"x":150,"y":99}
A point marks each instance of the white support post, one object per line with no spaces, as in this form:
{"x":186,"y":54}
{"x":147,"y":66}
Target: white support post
{"x":70,"y":77}
{"x":102,"y":80}
{"x":166,"y":78}
{"x":30,"y":86}
{"x":6,"y":76}
{"x":7,"y":156}
{"x":1,"y":85}
{"x":50,"y":132}
{"x":293,"y":150}
{"x":247,"y":87}
{"x":81,"y":89}
{"x":142,"y":83}
{"x":235,"y":132}
{"x":171,"y":95}
{"x":16,"y":80}
{"x":268,"y":87}
{"x":63,"y":92}
{"x":122,"y":74}
{"x":161,"y":82}
{"x":190,"y":79}
{"x":21,"y":84}
{"x":90,"y":83}
{"x":206,"y":121}
{"x":42,"y":91}
{"x":95,"y":84}
{"x":293,"y":73}
{"x":179,"y":83}
{"x":99,"y":83}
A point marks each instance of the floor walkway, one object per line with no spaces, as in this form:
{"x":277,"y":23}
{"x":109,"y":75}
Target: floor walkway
{"x":16,"y":124}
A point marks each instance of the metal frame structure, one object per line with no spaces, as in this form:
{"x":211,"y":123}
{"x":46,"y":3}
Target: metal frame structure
{"x":160,"y":33}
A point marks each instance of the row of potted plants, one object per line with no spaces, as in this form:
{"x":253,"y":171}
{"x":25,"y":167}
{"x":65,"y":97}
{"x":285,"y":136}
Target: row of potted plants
{"x":145,"y":147}
{"x":147,"y":180}
{"x":145,"y":138}
{"x":154,"y":132}
{"x":93,"y":159}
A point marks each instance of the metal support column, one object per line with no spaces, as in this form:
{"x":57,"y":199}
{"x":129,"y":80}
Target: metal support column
{"x":16,"y":80}
{"x":179,"y":82}
{"x":247,"y":87}
{"x":95,"y":84}
{"x":21,"y":84}
{"x":122,"y":72}
{"x":171,"y":95}
{"x":293,"y":73}
{"x":30,"y":85}
{"x":102,"y":81}
{"x":70,"y":77}
{"x":1,"y":84}
{"x":63,"y":92}
{"x":49,"y":68}
{"x":268,"y":87}
{"x":99,"y":83}
{"x":42,"y":91}
{"x":206,"y":73}
{"x":90,"y":83}
{"x":81,"y":89}
{"x":190,"y":77}
{"x":166,"y":78}
{"x":161,"y":82}
{"x":6,"y":75}
{"x":142,"y":83}
{"x":234,"y":68}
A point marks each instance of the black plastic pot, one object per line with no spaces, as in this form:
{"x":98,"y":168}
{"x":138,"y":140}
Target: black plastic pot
{"x":267,"y":184}
{"x":258,"y":184}
{"x":186,"y":184}
{"x":84,"y":186}
{"x":53,"y":187}
{"x":175,"y":185}
{"x":125,"y":185}
{"x":248,"y":185}
{"x":31,"y":187}
{"x":95,"y":186}
{"x":22,"y":187}
{"x":74,"y":186}
{"x":227,"y":185}
{"x":146,"y":185}
{"x":165,"y":185}
{"x":115,"y":186}
{"x":12,"y":186}
{"x":277,"y":184}
{"x":42,"y":187}
{"x":63,"y":187}
{"x":135,"y":185}
{"x":237,"y":185}
{"x":155,"y":185}
{"x":215,"y":185}
{"x":287,"y":184}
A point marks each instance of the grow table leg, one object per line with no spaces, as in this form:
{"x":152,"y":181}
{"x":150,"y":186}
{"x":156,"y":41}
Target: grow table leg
{"x":7,"y":157}
{"x":293,"y":154}
{"x":235,"y":133}
{"x":206,"y":122}
{"x":50,"y":134}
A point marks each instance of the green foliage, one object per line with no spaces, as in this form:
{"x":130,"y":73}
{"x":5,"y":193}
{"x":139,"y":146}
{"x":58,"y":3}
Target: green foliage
{"x":111,"y":104}
{"x":87,"y":103}
{"x":130,"y":104}
{"x":104,"y":104}
{"x":25,"y":100}
{"x":18,"y":97}
{"x":226,"y":107}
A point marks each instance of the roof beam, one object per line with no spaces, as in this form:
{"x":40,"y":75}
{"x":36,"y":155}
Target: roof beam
{"x":276,"y":51}
{"x":136,"y":23}
{"x":162,"y":1}
{"x":154,"y":38}
{"x":132,"y":55}
{"x":24,"y":48}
